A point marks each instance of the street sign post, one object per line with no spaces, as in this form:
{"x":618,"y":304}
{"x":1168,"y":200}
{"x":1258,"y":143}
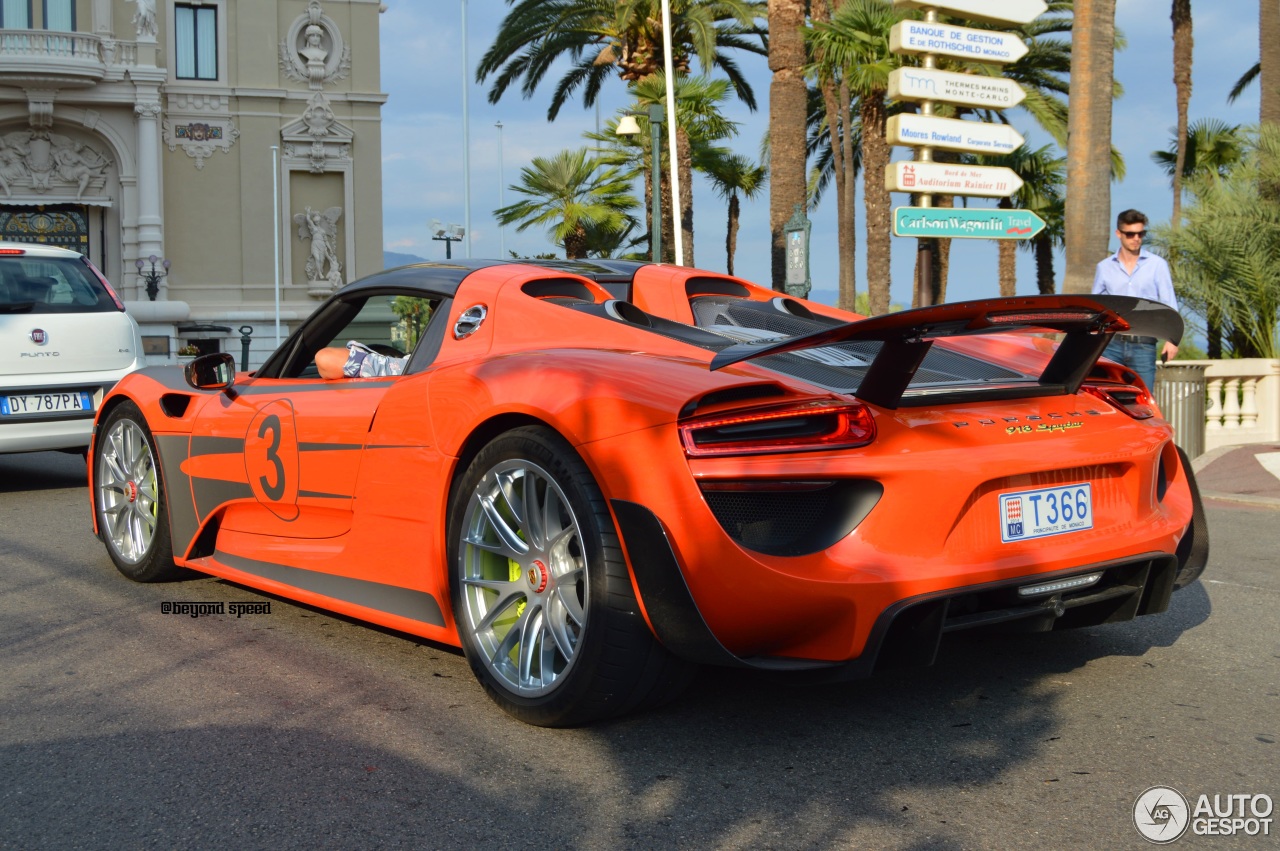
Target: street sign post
{"x":986,"y":46}
{"x":966,"y":89}
{"x":992,"y":11}
{"x":951,"y":179}
{"x":965,"y":222}
{"x":952,"y":134}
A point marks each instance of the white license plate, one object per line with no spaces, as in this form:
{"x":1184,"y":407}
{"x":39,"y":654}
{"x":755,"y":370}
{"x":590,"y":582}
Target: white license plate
{"x":42,"y":403}
{"x":1046,"y":511}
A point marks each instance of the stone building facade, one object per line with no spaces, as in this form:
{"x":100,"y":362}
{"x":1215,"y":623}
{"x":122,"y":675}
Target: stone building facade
{"x":239,"y":140}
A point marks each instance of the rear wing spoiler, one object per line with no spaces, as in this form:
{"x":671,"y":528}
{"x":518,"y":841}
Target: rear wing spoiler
{"x":1087,"y":321}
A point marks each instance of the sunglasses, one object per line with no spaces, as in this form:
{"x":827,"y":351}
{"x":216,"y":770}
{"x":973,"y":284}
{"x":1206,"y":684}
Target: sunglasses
{"x":1140,"y":234}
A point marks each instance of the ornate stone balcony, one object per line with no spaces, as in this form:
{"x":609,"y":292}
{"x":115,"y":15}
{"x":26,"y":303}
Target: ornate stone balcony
{"x":44,"y":59}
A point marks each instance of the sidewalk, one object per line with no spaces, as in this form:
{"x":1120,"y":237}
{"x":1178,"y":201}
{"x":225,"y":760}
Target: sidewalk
{"x":1245,"y":474}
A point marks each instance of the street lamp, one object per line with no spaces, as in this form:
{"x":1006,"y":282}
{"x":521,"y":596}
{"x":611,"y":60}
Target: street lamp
{"x":502,"y":229}
{"x":152,"y":276}
{"x":448,"y":234}
{"x":628,"y":126}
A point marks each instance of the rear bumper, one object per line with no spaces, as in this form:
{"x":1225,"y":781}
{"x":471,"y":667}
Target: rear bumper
{"x":59,"y":430}
{"x":908,"y":632}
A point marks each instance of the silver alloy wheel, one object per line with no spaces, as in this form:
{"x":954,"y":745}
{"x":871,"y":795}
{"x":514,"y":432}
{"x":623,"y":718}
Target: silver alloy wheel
{"x":128,"y":490}
{"x":524,"y":577}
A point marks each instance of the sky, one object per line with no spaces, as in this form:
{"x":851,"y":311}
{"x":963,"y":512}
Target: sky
{"x":423,"y":138}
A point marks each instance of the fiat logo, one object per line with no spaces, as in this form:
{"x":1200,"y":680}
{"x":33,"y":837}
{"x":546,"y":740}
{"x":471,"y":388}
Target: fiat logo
{"x":39,"y":337}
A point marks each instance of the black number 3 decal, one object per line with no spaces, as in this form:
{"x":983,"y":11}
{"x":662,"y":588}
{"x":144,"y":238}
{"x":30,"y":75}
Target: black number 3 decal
{"x":271,"y":459}
{"x":273,"y":491}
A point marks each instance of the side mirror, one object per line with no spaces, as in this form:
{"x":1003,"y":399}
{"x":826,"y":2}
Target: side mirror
{"x":211,"y":372}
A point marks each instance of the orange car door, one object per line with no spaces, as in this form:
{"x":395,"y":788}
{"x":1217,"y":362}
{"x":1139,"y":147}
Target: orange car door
{"x":280,"y":456}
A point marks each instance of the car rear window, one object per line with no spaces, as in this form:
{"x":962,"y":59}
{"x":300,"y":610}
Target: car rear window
{"x":31,"y":284}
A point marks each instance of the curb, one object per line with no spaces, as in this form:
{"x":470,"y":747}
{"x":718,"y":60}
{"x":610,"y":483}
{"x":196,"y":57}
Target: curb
{"x":1202,"y":461}
{"x":1245,"y":499}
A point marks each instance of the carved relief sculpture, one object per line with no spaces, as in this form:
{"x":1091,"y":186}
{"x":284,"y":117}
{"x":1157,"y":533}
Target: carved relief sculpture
{"x":321,"y":229}
{"x":313,"y":51}
{"x":37,"y":160}
{"x":318,"y":136}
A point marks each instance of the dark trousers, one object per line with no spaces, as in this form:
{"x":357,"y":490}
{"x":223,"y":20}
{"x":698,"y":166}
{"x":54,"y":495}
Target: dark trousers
{"x":1138,"y":354}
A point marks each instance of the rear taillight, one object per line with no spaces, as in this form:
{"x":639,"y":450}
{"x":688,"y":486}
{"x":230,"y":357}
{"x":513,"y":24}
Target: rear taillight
{"x":1134,"y":401}
{"x":12,"y":251}
{"x":102,"y":279}
{"x":782,"y":428}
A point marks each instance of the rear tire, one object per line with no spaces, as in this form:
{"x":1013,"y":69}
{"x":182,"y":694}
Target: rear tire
{"x":129,"y":497}
{"x":542,"y":597}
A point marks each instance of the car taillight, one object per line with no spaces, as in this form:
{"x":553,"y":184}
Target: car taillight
{"x":1134,"y":401}
{"x":102,"y":279}
{"x":785,"y":428}
{"x":11,"y":251}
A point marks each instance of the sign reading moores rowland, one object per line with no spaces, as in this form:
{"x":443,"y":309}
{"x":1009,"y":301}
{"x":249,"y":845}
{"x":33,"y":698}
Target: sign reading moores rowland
{"x":952,"y":134}
{"x":965,"y":222}
{"x":951,"y":179}
{"x":962,"y":42}
{"x":967,"y":89}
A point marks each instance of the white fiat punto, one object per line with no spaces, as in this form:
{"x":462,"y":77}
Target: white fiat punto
{"x":65,"y":340}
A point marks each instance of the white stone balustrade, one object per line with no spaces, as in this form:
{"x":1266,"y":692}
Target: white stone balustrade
{"x":1243,"y":401}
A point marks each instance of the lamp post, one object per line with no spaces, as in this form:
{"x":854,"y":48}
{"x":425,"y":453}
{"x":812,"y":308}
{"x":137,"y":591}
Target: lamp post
{"x":448,"y":234}
{"x":502,"y":229}
{"x":152,"y":276}
{"x":628,"y":126}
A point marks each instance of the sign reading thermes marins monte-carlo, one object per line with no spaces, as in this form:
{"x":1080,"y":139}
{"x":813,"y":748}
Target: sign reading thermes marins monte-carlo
{"x":967,"y":89}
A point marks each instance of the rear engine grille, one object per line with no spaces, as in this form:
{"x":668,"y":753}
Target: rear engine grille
{"x":939,"y":366}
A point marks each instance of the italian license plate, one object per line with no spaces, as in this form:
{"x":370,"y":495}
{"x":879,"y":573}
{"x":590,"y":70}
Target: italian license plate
{"x":42,"y":403}
{"x":1047,"y":511}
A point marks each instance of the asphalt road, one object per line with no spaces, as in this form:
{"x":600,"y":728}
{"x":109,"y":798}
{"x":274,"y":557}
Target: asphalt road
{"x":122,"y":727}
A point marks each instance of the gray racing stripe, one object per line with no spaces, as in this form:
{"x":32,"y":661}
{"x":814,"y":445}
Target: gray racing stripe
{"x":392,"y":599}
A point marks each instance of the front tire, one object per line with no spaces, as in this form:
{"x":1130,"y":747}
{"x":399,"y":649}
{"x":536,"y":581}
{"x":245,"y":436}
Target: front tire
{"x":541,"y":593}
{"x":129,"y":498}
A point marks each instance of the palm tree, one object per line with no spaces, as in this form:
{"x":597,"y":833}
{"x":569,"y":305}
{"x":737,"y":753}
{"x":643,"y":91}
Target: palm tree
{"x":1043,"y":177}
{"x":601,"y":37}
{"x":788,"y":105}
{"x":840,"y":157}
{"x":699,"y":122}
{"x":835,"y":148}
{"x":732,"y":174}
{"x":1269,"y":60}
{"x":572,"y":195}
{"x":1212,"y":146}
{"x":1182,"y":46}
{"x":1088,"y":204}
{"x":857,"y":41}
{"x":1226,"y":254}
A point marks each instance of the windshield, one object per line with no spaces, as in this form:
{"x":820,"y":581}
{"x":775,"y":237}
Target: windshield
{"x":30,"y":284}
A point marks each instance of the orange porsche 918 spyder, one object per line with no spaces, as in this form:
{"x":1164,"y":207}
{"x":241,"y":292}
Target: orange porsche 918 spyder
{"x":595,"y":476}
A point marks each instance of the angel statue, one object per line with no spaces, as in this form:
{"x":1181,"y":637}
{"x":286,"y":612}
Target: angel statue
{"x":322,"y":230}
{"x":145,"y":17}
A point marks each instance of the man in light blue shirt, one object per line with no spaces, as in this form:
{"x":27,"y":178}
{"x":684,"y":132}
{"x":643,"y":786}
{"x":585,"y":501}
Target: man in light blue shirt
{"x":1134,"y":271}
